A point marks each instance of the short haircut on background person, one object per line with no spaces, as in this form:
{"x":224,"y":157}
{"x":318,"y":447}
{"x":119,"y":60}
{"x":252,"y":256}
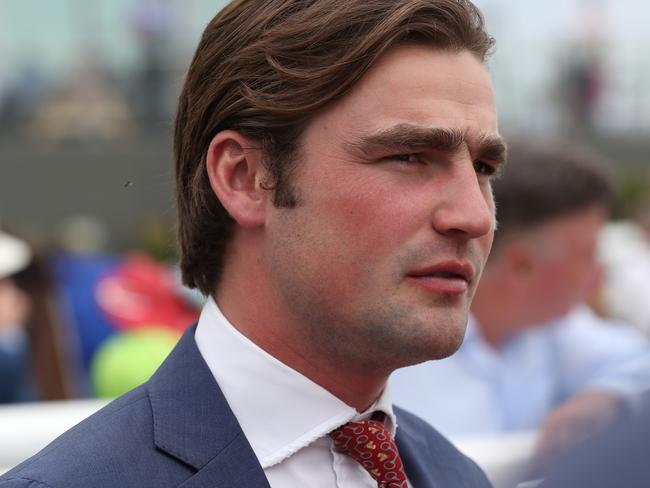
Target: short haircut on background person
{"x":547,"y":180}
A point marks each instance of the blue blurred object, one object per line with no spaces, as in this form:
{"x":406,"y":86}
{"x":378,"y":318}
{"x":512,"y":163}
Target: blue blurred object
{"x":617,"y":458}
{"x":76,"y":276}
{"x":14,"y":382}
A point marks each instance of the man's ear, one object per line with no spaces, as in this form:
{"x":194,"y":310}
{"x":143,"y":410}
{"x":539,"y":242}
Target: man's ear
{"x":236,"y":171}
{"x":520,"y":262}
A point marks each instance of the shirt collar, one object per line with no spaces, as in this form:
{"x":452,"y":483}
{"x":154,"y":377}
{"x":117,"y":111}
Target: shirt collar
{"x":279,"y":410}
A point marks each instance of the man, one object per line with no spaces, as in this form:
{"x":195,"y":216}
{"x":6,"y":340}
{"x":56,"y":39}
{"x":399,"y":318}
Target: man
{"x":532,"y":358}
{"x":334,"y":161}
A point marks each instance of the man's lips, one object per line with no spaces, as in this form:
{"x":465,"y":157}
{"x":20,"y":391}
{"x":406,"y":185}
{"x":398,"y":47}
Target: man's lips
{"x":449,"y":277}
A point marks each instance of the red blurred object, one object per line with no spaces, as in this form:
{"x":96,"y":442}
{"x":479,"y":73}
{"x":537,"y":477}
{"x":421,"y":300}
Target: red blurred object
{"x":141,"y":292}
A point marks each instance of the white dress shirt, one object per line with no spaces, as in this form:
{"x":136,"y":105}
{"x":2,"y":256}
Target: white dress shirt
{"x":285,"y":416}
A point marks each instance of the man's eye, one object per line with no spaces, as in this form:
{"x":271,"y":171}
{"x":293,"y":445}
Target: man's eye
{"x":406,"y":158}
{"x":483,"y":168}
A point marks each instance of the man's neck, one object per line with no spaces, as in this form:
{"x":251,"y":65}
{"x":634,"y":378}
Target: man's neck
{"x":270,"y":329}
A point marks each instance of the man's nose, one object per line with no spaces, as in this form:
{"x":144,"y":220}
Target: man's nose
{"x":466,"y":209}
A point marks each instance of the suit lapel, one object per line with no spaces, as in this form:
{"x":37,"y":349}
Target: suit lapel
{"x":417,"y":467}
{"x":193,"y":422}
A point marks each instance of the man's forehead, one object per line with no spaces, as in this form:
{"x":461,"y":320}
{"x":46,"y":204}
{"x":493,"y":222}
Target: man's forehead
{"x":423,"y":85}
{"x":404,"y":63}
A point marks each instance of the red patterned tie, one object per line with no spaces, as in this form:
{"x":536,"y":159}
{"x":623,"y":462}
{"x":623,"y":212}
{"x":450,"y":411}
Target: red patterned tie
{"x":370,"y":444}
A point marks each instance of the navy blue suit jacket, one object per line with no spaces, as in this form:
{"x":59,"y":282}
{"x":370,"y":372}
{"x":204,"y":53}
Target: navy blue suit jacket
{"x":619,"y":457}
{"x":177,"y":430}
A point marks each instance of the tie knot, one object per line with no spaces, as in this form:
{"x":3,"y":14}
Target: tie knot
{"x":370,"y":444}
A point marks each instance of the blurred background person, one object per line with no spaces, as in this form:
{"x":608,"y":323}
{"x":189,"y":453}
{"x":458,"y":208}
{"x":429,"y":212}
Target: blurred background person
{"x":582,"y":74}
{"x":152,"y":22}
{"x":14,"y":311}
{"x":534,"y":356}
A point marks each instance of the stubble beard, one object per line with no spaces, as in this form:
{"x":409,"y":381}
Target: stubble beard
{"x":402,"y":327}
{"x":379,"y":338}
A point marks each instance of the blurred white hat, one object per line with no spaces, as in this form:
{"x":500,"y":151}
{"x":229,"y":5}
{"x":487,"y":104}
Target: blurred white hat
{"x":15,"y":255}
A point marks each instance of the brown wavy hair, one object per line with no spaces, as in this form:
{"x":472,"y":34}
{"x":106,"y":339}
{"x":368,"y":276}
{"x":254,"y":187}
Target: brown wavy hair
{"x":265,"y":68}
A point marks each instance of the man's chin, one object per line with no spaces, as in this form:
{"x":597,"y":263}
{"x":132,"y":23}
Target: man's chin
{"x":444,"y":344}
{"x":446,"y":349}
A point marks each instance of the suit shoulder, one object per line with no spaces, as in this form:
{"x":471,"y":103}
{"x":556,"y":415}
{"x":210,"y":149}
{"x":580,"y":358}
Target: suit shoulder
{"x":414,"y":425}
{"x":96,"y":451}
{"x":437,"y":453}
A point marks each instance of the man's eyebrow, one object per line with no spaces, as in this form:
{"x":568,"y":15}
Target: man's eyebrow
{"x":407,"y":136}
{"x":492,"y":148}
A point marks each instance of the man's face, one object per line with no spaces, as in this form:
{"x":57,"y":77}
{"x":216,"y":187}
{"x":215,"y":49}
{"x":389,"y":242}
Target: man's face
{"x":379,"y":261}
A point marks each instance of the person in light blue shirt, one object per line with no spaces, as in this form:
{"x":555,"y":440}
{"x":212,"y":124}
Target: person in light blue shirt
{"x":533,"y":357}
{"x":513,"y":388}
